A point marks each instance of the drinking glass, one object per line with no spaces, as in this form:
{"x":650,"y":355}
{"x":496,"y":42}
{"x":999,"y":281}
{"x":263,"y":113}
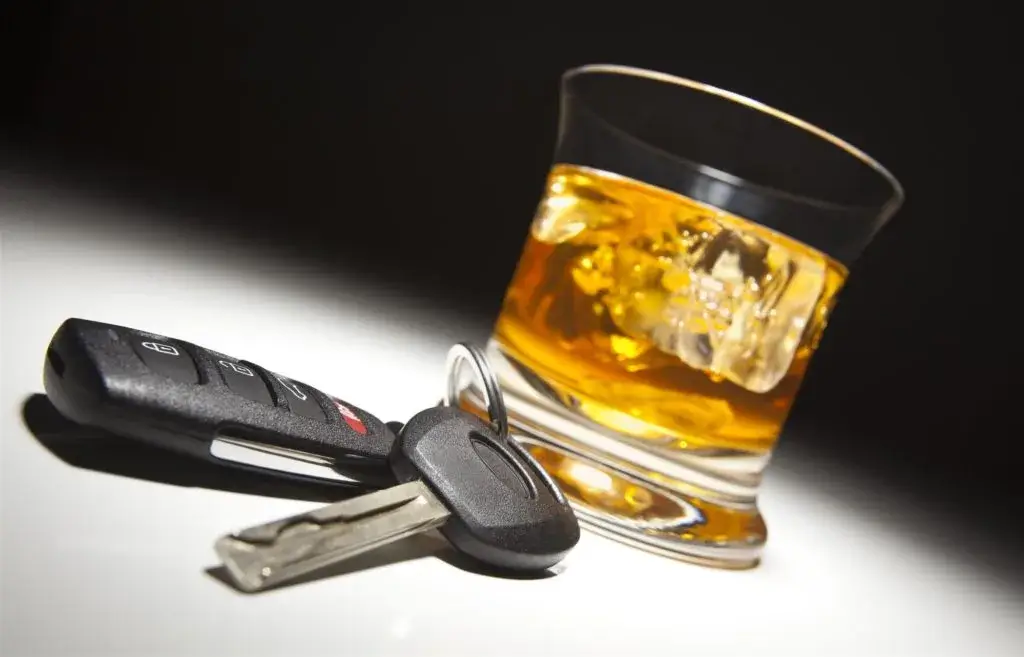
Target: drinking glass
{"x":675,"y":282}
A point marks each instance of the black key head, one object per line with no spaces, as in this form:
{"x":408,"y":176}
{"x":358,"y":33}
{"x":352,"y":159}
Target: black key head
{"x":506,"y":511}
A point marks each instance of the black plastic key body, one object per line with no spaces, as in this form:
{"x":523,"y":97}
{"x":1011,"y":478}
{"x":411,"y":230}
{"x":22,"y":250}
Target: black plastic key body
{"x":506,"y":511}
{"x":180,"y":396}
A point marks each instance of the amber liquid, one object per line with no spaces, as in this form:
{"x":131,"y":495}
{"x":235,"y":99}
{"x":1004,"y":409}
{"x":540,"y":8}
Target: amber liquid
{"x":664,"y":319}
{"x":676,"y":327}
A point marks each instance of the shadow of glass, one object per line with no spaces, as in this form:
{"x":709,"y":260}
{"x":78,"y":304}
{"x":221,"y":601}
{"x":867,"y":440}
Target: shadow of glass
{"x":908,"y":498}
{"x":98,"y":450}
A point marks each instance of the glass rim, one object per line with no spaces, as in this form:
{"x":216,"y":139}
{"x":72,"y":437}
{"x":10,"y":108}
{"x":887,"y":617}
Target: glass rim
{"x":887,"y":209}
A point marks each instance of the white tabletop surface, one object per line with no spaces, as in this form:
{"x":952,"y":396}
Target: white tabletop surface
{"x":104,"y":564}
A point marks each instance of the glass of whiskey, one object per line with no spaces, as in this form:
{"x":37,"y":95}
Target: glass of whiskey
{"x":676,"y":279}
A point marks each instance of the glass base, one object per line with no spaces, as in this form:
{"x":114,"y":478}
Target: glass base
{"x":698,"y":506}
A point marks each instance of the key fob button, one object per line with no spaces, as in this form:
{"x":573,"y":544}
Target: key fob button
{"x":300,"y":399}
{"x":244,"y":381}
{"x":354,"y":422}
{"x":165,"y":358}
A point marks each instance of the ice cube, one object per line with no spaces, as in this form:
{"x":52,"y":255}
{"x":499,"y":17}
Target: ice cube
{"x":723,"y":301}
{"x":682,"y":279}
{"x":573,"y":209}
{"x":744,"y":309}
{"x":636,"y":301}
{"x":559,"y":219}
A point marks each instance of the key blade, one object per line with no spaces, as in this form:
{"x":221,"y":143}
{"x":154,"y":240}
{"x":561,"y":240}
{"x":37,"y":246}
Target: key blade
{"x":265,"y":555}
{"x":346,"y":511}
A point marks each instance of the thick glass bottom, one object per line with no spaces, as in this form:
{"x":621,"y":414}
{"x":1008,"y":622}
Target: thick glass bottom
{"x":698,"y":506}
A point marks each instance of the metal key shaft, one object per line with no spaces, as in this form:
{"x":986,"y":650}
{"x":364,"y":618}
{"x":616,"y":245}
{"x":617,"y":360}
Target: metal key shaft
{"x":262,"y":556}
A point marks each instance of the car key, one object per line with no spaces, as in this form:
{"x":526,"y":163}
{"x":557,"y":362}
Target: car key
{"x":485,"y":493}
{"x":193,"y":400}
{"x":489,"y":498}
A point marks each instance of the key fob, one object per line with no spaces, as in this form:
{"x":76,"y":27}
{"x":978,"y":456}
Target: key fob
{"x":183,"y":397}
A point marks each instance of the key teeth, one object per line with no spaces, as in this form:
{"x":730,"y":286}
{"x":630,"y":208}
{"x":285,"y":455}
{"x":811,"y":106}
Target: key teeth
{"x":335,"y":532}
{"x":232,"y":554}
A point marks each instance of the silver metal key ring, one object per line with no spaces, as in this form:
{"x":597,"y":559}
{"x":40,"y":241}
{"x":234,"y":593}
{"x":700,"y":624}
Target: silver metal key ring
{"x":463,"y":352}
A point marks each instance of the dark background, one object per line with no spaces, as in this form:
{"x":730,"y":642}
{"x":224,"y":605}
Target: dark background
{"x":409,"y":142}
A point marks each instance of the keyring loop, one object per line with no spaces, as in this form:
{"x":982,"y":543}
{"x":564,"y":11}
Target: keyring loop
{"x":465,"y":352}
